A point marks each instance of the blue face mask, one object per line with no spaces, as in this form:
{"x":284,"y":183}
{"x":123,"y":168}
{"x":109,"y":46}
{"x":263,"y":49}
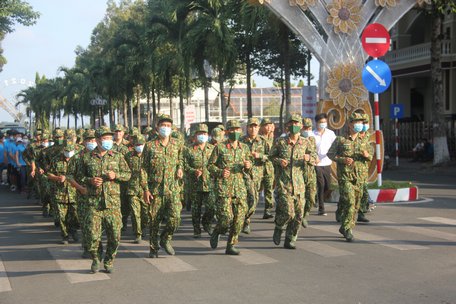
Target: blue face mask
{"x":323,"y":125}
{"x":107,"y":144}
{"x":358,"y":127}
{"x":306,"y":133}
{"x":202,"y":138}
{"x":164,"y":131}
{"x":139,"y":149}
{"x":91,"y":146}
{"x":365,"y":127}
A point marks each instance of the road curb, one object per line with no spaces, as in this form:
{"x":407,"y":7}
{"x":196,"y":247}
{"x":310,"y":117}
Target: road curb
{"x":394,"y":195}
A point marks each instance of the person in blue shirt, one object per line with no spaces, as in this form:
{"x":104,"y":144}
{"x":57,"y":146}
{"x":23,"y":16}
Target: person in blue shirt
{"x":2,"y":159}
{"x":21,"y":166}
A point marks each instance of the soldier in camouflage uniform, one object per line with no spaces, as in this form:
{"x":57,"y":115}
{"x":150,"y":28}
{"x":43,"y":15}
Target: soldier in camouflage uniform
{"x":121,"y":145}
{"x":289,"y":155}
{"x":29,"y":155}
{"x":310,"y":176}
{"x":364,"y":136}
{"x":267,"y":182}
{"x":136,"y":187}
{"x":196,"y":159}
{"x":258,"y":155}
{"x":163,"y":162}
{"x":217,"y":136}
{"x":230,"y":165}
{"x":74,"y":176}
{"x":102,"y":171}
{"x":348,"y":151}
{"x":43,"y":182}
{"x":64,"y":193}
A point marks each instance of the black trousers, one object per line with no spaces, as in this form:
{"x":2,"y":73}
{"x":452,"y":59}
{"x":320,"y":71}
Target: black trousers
{"x":323,"y":184}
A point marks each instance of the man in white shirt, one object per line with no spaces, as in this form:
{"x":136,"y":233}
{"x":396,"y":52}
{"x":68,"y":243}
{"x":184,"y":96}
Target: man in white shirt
{"x":324,"y":139}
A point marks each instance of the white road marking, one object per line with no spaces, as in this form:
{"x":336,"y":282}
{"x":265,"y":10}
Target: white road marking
{"x":76,"y":269}
{"x":440,"y":220}
{"x":372,"y":238}
{"x":419,"y":230}
{"x":314,"y":247}
{"x":164,"y":263}
{"x":4,"y":281}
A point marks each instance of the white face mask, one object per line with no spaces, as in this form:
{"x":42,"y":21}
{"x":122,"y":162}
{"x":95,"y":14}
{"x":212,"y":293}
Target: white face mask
{"x":68,"y":154}
{"x":323,"y":125}
{"x":139,"y":149}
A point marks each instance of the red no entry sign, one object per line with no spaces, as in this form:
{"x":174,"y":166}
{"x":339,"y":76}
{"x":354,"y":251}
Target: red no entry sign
{"x":375,"y":40}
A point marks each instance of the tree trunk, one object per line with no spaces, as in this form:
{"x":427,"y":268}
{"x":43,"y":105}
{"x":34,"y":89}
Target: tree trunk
{"x":284,"y":34}
{"x":222,"y":98}
{"x":125,"y":112}
{"x":130,"y":102}
{"x":154,"y":108}
{"x":82,"y":121}
{"x":111,"y":113}
{"x":138,"y":110}
{"x":171,"y":104}
{"x":206,"y":99}
{"x":282,"y":104}
{"x":249,"y":86}
{"x":148,"y":107}
{"x":75,"y":121}
{"x":309,"y":75}
{"x":441,"y":153}
{"x":68,"y":121}
{"x":181,"y":105}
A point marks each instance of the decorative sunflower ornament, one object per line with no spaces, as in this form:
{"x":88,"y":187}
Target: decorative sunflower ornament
{"x":344,"y":15}
{"x":385,"y":3}
{"x":304,"y":4}
{"x":345,"y":86}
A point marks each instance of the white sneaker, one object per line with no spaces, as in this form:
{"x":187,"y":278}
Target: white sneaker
{"x":13,"y":188}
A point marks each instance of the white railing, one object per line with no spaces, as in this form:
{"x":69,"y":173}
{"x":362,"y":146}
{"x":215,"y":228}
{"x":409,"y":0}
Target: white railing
{"x":414,"y":53}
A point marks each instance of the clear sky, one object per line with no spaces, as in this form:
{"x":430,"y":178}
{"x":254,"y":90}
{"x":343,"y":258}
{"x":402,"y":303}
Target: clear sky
{"x":50,"y":43}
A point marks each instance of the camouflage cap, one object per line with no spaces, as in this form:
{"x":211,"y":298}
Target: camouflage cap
{"x":266,"y":121}
{"x":134,"y":131}
{"x":217,"y":134}
{"x":45,"y":135}
{"x":356,"y":117}
{"x":38,"y":132}
{"x":147,"y":130}
{"x":307,"y":123}
{"x":140,"y":140}
{"x":89,"y":133}
{"x":294,"y":117}
{"x":366,"y":117}
{"x":234,"y":123}
{"x":70,"y":134}
{"x":253,"y":121}
{"x":104,"y":130}
{"x":119,"y":127}
{"x":164,"y":117}
{"x":221,"y":127}
{"x":69,"y":146}
{"x":201,"y":128}
{"x":58,"y":133}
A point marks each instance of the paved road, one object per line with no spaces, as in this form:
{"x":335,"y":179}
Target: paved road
{"x":405,"y":255}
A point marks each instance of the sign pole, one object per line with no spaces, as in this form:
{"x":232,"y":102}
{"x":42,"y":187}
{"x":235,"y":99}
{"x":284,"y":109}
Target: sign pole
{"x":378,"y":152}
{"x":396,"y":131}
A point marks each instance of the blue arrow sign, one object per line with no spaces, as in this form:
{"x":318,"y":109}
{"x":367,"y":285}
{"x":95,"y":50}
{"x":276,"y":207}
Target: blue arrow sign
{"x":396,"y":111}
{"x":376,"y":76}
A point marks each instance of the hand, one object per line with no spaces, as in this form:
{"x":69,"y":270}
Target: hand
{"x":111,"y":175}
{"x":41,"y":171}
{"x":306,"y":157}
{"x":198,"y":173}
{"x":148,"y":197}
{"x":284,"y":163}
{"x":365,"y":154}
{"x":180,"y":173}
{"x":247,"y":164}
{"x":32,"y":174}
{"x":61,"y":179}
{"x":97,"y":181}
{"x":226,"y":173}
{"x":349,"y":161}
{"x":256,"y":155}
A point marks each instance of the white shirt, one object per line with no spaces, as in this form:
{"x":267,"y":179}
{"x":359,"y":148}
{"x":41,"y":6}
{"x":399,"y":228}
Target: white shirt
{"x":324,"y":142}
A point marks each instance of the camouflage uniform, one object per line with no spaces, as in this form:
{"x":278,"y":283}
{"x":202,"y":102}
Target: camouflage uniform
{"x":267,"y":183}
{"x":253,"y":182}
{"x":74,"y":172}
{"x":104,"y":201}
{"x":231,"y":206}
{"x":290,"y":184}
{"x":201,"y":194}
{"x":30,"y":154}
{"x":162,"y":164}
{"x":64,"y":194}
{"x":350,"y":177}
{"x":123,"y":148}
{"x":135,"y":190}
{"x":310,"y":176}
{"x":42,"y":180}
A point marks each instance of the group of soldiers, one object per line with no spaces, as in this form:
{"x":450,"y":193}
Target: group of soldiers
{"x":94,"y":180}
